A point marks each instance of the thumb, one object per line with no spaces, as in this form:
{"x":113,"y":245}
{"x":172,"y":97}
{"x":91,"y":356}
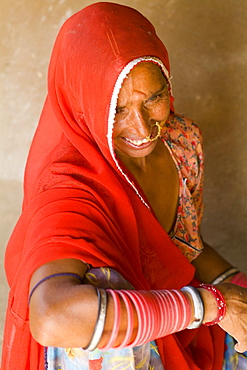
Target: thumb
{"x":241,"y":347}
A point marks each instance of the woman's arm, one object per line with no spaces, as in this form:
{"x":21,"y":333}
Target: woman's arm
{"x":209,"y":265}
{"x":63,"y":312}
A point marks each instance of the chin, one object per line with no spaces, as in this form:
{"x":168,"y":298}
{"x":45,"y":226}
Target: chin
{"x":133,"y":151}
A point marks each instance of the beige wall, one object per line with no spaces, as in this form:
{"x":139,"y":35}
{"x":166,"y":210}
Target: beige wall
{"x":207,"y":42}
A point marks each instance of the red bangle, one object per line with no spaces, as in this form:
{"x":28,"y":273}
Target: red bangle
{"x":220,"y":302}
{"x":117,"y":317}
{"x":159,"y":313}
{"x":130,"y":314}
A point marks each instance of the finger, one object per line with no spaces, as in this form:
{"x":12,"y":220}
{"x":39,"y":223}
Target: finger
{"x":240,"y":347}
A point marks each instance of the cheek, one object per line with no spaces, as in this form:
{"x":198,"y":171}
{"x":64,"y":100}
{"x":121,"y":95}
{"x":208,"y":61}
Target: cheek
{"x":115,"y":132}
{"x":121,"y":124}
{"x":117,"y":128}
{"x":162,"y":110}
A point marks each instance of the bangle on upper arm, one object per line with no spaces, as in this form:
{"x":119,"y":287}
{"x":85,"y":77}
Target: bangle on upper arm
{"x":52,"y":276}
{"x":100,"y":322}
{"x":117,"y":318}
{"x":226,"y":274}
{"x":159,"y":313}
{"x":102,"y":303}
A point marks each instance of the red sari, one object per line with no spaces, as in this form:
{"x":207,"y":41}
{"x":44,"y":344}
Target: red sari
{"x":78,"y":202}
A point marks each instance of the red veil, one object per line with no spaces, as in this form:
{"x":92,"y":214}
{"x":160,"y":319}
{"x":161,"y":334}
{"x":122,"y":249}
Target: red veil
{"x":78,"y":203}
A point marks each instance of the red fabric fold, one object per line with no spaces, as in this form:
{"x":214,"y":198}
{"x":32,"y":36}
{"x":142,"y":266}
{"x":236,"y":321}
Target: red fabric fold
{"x":77,"y":203}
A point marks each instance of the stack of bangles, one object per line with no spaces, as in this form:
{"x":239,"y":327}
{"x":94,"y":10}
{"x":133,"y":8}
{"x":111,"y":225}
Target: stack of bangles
{"x":159,"y":312}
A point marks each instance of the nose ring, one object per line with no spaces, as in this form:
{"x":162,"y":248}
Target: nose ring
{"x":148,"y":138}
{"x":159,"y":129}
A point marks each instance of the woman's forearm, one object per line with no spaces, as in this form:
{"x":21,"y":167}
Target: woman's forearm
{"x":209,"y":265}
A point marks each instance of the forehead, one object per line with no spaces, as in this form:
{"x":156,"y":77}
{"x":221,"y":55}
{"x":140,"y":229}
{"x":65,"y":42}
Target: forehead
{"x":145,"y":77}
{"x":146,"y":68}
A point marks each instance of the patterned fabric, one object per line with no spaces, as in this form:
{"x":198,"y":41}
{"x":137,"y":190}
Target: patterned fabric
{"x":145,"y":357}
{"x":183,"y":139}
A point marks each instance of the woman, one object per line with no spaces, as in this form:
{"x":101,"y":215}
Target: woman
{"x":103,"y":253}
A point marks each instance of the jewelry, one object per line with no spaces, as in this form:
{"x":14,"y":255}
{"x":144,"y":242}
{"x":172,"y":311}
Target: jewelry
{"x":130,"y":314}
{"x":147,"y":138}
{"x":158,"y":133}
{"x":159,"y":313}
{"x":52,"y":276}
{"x":100,"y":322}
{"x":220,"y":302}
{"x":198,"y":306}
{"x":117,"y":318}
{"x":225,"y":275}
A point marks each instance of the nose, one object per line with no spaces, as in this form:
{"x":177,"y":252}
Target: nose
{"x":140,"y":121}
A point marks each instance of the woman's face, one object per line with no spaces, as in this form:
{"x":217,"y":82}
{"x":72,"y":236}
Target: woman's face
{"x":143,"y":100}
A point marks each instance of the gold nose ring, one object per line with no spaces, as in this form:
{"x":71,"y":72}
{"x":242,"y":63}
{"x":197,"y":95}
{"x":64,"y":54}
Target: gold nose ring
{"x":159,"y":128}
{"x":158,"y":133}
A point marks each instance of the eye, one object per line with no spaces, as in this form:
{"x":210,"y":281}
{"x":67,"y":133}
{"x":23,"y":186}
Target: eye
{"x":155,"y":97}
{"x":119,"y":110}
{"x":158,"y":98}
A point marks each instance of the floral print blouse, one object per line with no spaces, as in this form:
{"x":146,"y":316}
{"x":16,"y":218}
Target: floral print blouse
{"x":184,"y":141}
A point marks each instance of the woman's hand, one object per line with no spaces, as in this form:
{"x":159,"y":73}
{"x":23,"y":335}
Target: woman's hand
{"x":235,"y":320}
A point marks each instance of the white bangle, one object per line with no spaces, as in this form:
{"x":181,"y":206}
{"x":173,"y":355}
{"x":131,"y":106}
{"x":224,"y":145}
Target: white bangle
{"x":100,"y":323}
{"x":225,"y":275}
{"x":198,"y":306}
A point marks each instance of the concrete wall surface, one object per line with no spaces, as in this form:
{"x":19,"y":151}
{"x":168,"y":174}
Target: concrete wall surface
{"x":207,"y":43}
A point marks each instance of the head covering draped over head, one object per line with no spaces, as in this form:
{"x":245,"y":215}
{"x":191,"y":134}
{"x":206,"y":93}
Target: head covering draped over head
{"x":79,"y":202}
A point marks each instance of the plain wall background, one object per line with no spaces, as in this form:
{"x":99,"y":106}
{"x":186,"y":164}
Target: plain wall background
{"x":207,"y":44}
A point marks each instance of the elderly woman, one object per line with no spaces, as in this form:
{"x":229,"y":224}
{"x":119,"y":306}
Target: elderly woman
{"x":106,"y":261}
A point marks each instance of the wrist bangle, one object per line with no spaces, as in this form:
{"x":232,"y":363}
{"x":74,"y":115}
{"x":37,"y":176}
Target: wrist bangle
{"x":220,"y":302}
{"x":198,"y":306}
{"x":100,"y":323}
{"x":225,"y":275}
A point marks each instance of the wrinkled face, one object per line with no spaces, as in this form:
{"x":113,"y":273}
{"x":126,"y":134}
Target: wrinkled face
{"x":143,"y":100}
